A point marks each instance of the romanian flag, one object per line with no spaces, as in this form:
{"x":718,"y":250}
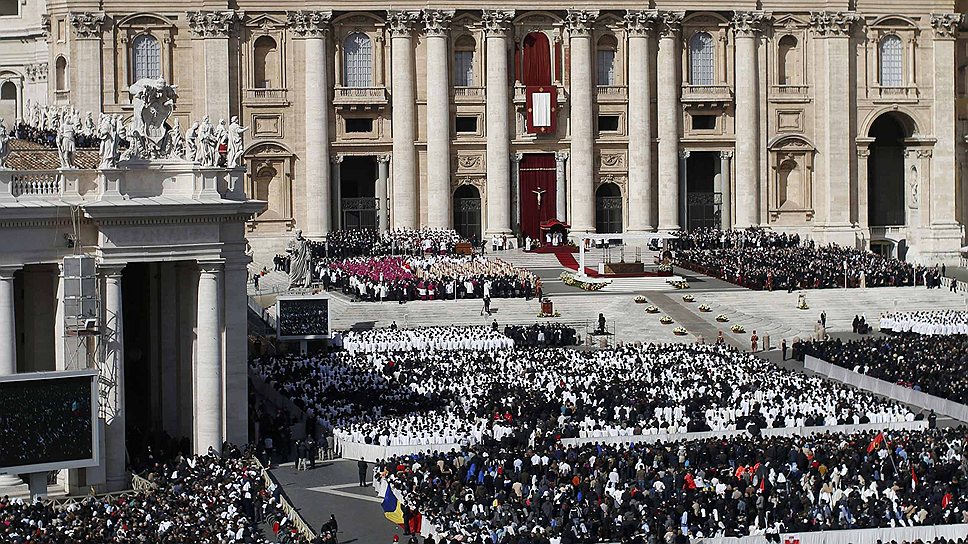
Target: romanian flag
{"x":876,"y":443}
{"x":393,"y":508}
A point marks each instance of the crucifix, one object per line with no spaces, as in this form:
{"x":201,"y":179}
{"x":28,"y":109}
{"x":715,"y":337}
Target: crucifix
{"x":538,"y":193}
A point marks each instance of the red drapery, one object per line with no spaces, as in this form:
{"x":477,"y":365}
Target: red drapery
{"x":537,"y":60}
{"x":538,"y":173}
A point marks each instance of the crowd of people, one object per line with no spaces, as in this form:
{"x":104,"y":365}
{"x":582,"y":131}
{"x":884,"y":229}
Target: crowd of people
{"x":929,"y":322}
{"x":763,"y":259}
{"x":399,"y":389}
{"x":936,"y":365}
{"x":678,"y":491}
{"x":345,"y":243}
{"x":45,"y":421}
{"x":542,"y":335}
{"x":304,"y":317}
{"x":207,"y":499}
{"x":393,"y":339}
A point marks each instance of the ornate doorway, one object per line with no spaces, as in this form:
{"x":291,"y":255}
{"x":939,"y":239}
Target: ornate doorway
{"x":467,"y":212}
{"x":358,"y":202}
{"x":538,"y":177}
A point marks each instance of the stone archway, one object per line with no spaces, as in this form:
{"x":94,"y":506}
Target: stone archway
{"x":887,"y":175}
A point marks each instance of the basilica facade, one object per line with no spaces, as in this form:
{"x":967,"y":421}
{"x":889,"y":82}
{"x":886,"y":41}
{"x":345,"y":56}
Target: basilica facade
{"x":843,"y":120}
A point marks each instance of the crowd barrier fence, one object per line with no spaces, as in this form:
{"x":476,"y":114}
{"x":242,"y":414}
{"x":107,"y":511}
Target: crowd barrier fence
{"x":887,"y":389}
{"x":854,"y":536}
{"x":297,"y":520}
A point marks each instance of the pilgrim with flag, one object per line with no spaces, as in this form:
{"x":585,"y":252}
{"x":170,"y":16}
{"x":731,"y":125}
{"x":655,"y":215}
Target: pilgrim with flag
{"x":395,"y":511}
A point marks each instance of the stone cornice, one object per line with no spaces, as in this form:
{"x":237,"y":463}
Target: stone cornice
{"x":437,"y":21}
{"x":87,"y":24}
{"x":669,"y":23}
{"x":212,"y":24}
{"x":748,"y":23}
{"x":640,"y":23}
{"x":833,"y":23}
{"x":580,"y":22}
{"x":309,"y":24}
{"x":496,"y":21}
{"x":402,"y":23}
{"x":946,"y":25}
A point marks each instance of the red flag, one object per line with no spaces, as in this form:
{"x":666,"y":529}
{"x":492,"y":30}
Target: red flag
{"x":914,"y":479}
{"x":763,"y":484}
{"x":876,"y":443}
{"x":415,"y":522}
{"x":946,"y":500}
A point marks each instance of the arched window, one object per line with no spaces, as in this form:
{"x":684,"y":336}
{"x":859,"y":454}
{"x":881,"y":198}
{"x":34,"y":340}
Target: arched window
{"x":891,"y":62}
{"x":788,"y":61}
{"x":608,"y":209}
{"x":60,"y":74}
{"x":701,"y":62}
{"x":357,"y":61}
{"x":146,"y":57}
{"x":266,"y":59}
{"x":8,"y":90}
{"x":607,"y":45}
{"x":464,"y":61}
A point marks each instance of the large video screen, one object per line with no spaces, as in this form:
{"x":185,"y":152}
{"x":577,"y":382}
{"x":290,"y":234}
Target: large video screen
{"x":303,"y":318}
{"x":47,"y":421}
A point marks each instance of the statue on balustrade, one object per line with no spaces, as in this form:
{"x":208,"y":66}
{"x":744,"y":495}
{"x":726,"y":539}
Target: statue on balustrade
{"x":207,"y":146}
{"x":108,"y":146}
{"x":235,"y":147}
{"x":300,"y":264}
{"x":191,"y":143}
{"x":66,"y":142}
{"x":4,"y":144}
{"x":154,"y":101}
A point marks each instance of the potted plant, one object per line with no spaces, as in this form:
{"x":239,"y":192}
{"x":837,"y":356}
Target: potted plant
{"x":688,"y":298}
{"x":652,"y":310}
{"x":680,"y":331}
{"x":722,"y":318}
{"x":666,"y":320}
{"x":738,"y":329}
{"x":704,"y":308}
{"x":640,"y":299}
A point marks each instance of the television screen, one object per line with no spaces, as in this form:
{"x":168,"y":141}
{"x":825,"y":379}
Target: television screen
{"x":306,"y":317}
{"x":46,"y":421}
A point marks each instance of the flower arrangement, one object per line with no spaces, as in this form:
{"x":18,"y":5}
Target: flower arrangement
{"x":680,"y":331}
{"x":666,"y":320}
{"x":704,"y":308}
{"x":738,"y":329}
{"x":722,"y":318}
{"x":664,"y":268}
{"x":802,"y":305}
{"x":555,"y":314}
{"x":640,"y":299}
{"x":688,"y":298}
{"x":678,"y":284}
{"x":652,"y":310}
{"x":568,"y":278}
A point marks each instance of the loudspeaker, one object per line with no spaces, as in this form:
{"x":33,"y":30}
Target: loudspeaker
{"x":80,"y":293}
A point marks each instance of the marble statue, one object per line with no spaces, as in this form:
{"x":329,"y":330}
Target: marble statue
{"x":300,"y":264}
{"x":4,"y":144}
{"x":176,"y":141}
{"x":235,"y":147}
{"x":191,"y":143}
{"x":221,"y":138}
{"x":120,"y":134}
{"x":66,"y":143}
{"x":207,"y":146}
{"x":108,"y":147}
{"x":154,"y":101}
{"x":89,"y":126}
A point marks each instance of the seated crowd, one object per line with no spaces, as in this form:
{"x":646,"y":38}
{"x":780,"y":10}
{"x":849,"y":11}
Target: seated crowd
{"x":345,"y":243}
{"x":542,"y":335}
{"x":763,"y":259}
{"x":394,"y":393}
{"x":935,"y":322}
{"x":427,"y":277}
{"x":206,"y":499}
{"x":376,"y":341}
{"x":674,"y":491}
{"x":936,"y":365}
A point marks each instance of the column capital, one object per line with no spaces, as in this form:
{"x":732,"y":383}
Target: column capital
{"x":212,"y":24}
{"x":7,"y":272}
{"x":437,"y":22}
{"x":111,"y":271}
{"x":497,"y":21}
{"x":516,"y":157}
{"x":211,"y":266}
{"x":640,"y":23}
{"x":669,"y":23}
{"x":946,"y":25}
{"x":402,"y":22}
{"x":87,"y":24}
{"x":562,"y":156}
{"x":580,"y":22}
{"x":833,"y":23}
{"x":747,"y":23}
{"x":336,"y":159}
{"x":383,"y":158}
{"x":309,"y":24}
{"x":684,"y":154}
{"x":727,"y":155}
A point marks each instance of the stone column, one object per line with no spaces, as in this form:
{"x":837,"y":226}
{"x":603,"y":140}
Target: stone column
{"x":208,"y":360}
{"x":834,"y":106}
{"x":516,"y":191}
{"x":437,"y":24}
{"x":943,"y":164}
{"x":581,"y":81}
{"x":313,"y":28}
{"x":337,"y":192}
{"x":863,"y":155}
{"x":236,"y":349}
{"x":383,"y":173}
{"x":86,"y":27}
{"x":561,"y":186}
{"x":683,"y":194}
{"x":746,"y":26}
{"x":8,"y":324}
{"x":726,"y":217}
{"x":641,"y":191}
{"x":498,"y":190}
{"x":210,"y":31}
{"x":60,"y":356}
{"x":667,"y":97}
{"x":112,"y":381}
{"x":403,"y":96}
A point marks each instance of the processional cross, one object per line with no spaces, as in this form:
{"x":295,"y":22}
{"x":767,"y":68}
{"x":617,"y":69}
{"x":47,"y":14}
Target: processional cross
{"x":538,"y":194}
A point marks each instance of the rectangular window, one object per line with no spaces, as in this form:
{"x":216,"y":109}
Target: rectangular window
{"x":359,"y":125}
{"x":9,"y":7}
{"x":703,"y":122}
{"x":466,"y":124}
{"x":606,"y":67}
{"x":608,"y":123}
{"x":464,"y":69}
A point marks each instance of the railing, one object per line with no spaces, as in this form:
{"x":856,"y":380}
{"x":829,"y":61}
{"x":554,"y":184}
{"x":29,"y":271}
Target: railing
{"x":475,"y":92}
{"x":287,"y":507}
{"x":611,"y":90}
{"x":896,"y":93}
{"x":791,"y":90}
{"x":706,"y":92}
{"x":372,"y":95}
{"x":266,"y":95}
{"x":35,"y":183}
{"x":140,"y":484}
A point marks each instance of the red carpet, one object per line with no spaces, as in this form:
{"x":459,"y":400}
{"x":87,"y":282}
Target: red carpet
{"x":567,"y":259}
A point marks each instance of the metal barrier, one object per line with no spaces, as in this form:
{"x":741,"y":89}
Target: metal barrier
{"x":287,"y":508}
{"x":140,"y":484}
